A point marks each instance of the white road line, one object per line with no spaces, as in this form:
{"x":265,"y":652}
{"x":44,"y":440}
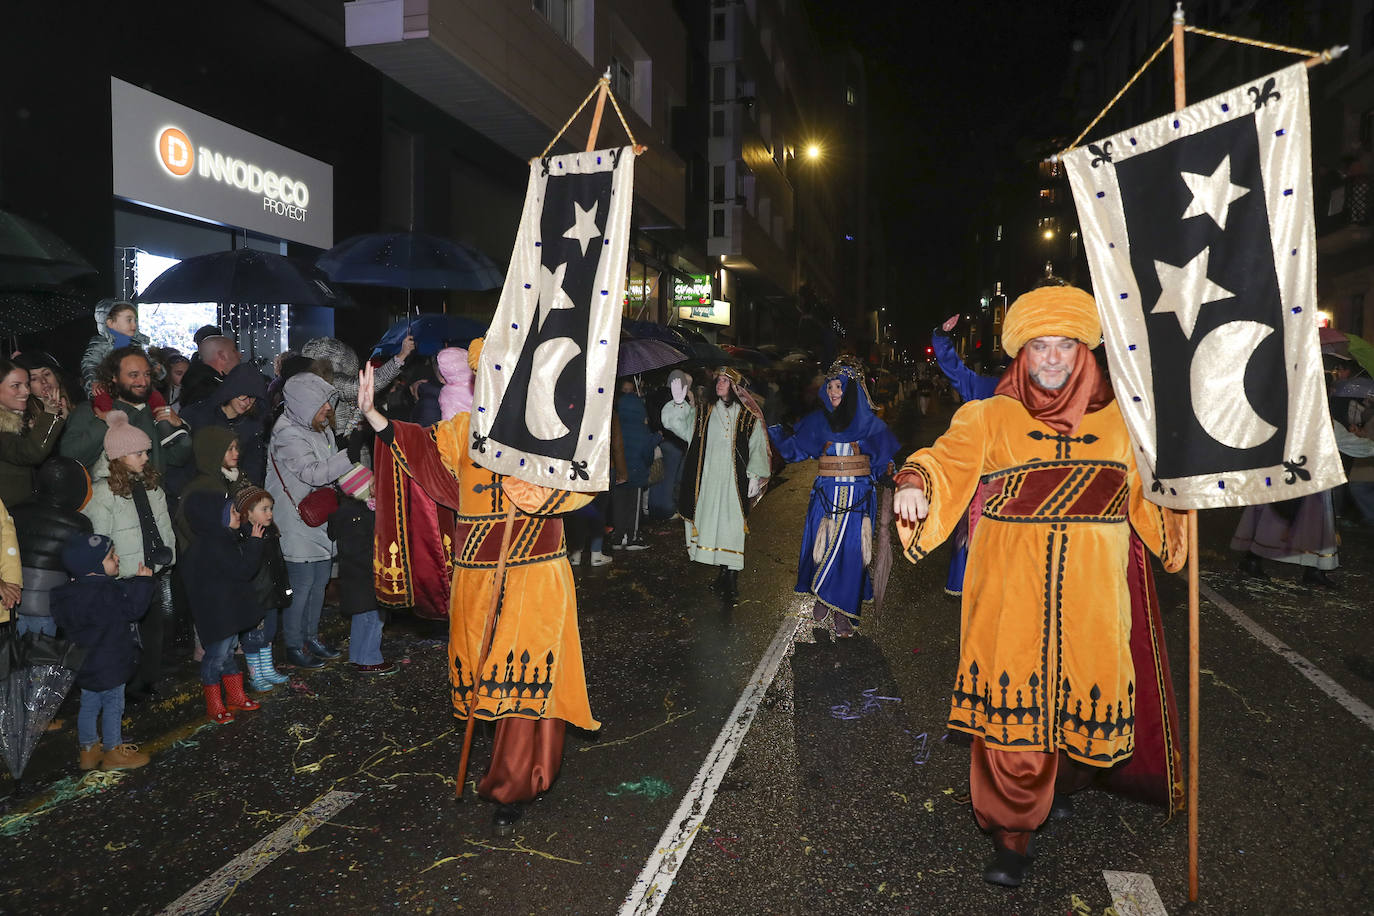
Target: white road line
{"x":651,"y":887}
{"x":1134,"y":894}
{"x":208,"y":893}
{"x":1352,"y":704}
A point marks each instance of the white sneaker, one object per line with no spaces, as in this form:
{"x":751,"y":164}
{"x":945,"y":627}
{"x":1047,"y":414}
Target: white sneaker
{"x":575,"y":557}
{"x":600,"y":559}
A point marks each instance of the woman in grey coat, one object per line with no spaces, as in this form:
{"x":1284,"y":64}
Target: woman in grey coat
{"x":303,"y":456}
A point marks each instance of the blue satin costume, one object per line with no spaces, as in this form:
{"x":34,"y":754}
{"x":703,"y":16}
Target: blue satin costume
{"x":971,"y":387}
{"x":840,"y":580}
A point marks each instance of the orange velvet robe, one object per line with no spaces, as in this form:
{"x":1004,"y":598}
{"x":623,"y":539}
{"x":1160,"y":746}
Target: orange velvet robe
{"x":1044,"y":657}
{"x":534,"y":669}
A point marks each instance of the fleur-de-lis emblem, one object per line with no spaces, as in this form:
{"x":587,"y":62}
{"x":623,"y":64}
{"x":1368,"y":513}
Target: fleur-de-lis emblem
{"x":1293,"y":471}
{"x":1101,"y":152}
{"x":1156,"y":487}
{"x":479,"y":442}
{"x":578,"y":471}
{"x":1264,"y":95}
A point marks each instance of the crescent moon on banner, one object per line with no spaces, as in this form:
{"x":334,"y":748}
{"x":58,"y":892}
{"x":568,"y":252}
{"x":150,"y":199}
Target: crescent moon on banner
{"x":1217,"y":382}
{"x":541,"y":413}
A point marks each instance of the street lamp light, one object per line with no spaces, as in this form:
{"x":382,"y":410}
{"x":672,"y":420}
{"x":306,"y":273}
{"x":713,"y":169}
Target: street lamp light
{"x":813,"y":151}
{"x":1049,"y":234}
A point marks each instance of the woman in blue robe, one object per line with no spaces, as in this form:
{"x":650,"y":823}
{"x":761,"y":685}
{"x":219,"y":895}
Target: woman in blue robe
{"x":855,"y":448}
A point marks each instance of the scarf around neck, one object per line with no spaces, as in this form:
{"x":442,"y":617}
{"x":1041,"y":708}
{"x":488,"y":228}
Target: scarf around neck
{"x":1087,"y":391}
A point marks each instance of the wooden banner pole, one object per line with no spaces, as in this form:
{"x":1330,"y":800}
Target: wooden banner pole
{"x":601,"y":91}
{"x":1180,"y":102}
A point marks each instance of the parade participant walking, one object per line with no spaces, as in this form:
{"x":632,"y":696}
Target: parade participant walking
{"x":855,"y":448}
{"x":542,"y":688}
{"x":1044,"y":661}
{"x":726,"y":465}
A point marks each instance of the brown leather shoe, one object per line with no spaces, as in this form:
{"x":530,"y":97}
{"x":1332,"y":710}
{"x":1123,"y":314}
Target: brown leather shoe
{"x":124,"y":757}
{"x":89,"y":758}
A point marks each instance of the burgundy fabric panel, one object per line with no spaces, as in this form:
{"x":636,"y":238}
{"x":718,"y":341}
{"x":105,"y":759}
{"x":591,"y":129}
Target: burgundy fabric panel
{"x":1100,"y":493}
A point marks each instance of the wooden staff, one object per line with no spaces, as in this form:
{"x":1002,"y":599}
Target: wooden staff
{"x":1180,"y":102}
{"x":499,"y":583}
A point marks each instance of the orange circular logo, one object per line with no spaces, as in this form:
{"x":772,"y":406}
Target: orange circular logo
{"x":174,"y":151}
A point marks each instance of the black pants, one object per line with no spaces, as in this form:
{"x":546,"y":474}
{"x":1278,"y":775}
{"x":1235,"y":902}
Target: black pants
{"x":153,"y":630}
{"x":625,"y":512}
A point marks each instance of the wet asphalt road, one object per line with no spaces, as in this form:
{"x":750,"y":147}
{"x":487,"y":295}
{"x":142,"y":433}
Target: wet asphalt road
{"x":848,"y":794}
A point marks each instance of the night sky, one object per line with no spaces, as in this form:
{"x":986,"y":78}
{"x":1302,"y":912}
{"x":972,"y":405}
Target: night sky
{"x":957,"y":93}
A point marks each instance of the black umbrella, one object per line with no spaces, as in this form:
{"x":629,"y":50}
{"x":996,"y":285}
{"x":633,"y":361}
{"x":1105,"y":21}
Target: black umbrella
{"x":36,"y":671}
{"x":410,"y":260}
{"x":27,"y":311}
{"x":32,"y":256}
{"x":646,"y":355}
{"x":244,"y":277}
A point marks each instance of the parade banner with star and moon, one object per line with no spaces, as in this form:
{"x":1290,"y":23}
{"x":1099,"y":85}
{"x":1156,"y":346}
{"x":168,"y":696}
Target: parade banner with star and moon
{"x":541,"y":408}
{"x":1199,"y":232}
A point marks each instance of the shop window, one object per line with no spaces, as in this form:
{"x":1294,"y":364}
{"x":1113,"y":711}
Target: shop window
{"x":1047,"y":195}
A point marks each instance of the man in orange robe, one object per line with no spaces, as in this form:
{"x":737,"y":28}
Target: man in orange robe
{"x":1046,"y":683}
{"x":533,"y":684}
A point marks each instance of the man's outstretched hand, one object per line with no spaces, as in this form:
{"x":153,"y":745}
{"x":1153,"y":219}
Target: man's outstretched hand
{"x":910,"y":504}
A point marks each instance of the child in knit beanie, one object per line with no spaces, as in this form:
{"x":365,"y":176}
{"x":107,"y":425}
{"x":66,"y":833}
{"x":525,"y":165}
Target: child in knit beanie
{"x":129,"y":506}
{"x":98,"y":611}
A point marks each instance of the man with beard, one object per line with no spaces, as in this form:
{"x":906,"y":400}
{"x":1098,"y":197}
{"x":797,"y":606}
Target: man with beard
{"x":127,"y":374}
{"x":855,"y":449}
{"x":726,"y":465}
{"x":1046,"y":682}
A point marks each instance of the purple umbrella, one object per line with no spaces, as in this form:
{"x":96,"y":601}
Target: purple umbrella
{"x":638,"y":356}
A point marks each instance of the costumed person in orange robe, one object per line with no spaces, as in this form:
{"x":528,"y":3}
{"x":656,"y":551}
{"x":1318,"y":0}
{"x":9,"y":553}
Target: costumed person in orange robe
{"x":533,"y":685}
{"x":1053,"y":602}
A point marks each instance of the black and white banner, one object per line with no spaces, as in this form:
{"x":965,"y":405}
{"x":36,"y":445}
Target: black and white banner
{"x":1198,"y":228}
{"x":541,"y":408}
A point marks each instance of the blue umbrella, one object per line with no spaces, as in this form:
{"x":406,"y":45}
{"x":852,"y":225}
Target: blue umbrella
{"x":410,"y":260}
{"x":244,"y":277}
{"x":431,"y":332}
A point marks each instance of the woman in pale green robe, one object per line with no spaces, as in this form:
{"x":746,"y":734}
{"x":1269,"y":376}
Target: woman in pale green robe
{"x":716,"y":524}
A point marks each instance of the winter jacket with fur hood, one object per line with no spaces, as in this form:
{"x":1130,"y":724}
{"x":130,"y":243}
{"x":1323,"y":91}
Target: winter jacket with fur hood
{"x":300,"y":459}
{"x":22,"y":450}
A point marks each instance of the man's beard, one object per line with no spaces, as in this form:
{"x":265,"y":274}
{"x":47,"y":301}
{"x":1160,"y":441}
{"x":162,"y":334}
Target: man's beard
{"x":129,"y":395}
{"x":1035,"y":377}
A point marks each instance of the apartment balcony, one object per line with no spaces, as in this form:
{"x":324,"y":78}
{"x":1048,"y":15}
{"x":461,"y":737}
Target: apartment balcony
{"x":503,"y":71}
{"x":1343,"y":216}
{"x":748,"y":249}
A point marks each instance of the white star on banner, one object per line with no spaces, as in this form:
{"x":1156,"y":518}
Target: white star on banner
{"x":1213,"y":194}
{"x":551,"y":295}
{"x":1185,"y":290}
{"x":584,"y":225}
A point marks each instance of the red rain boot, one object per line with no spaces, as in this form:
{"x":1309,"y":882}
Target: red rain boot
{"x":214,"y":705}
{"x":234,"y":697}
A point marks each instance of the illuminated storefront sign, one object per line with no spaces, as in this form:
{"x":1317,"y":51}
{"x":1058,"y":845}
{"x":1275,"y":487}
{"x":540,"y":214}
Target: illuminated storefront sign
{"x":174,"y":158}
{"x":693,"y":290}
{"x":714,"y":311}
